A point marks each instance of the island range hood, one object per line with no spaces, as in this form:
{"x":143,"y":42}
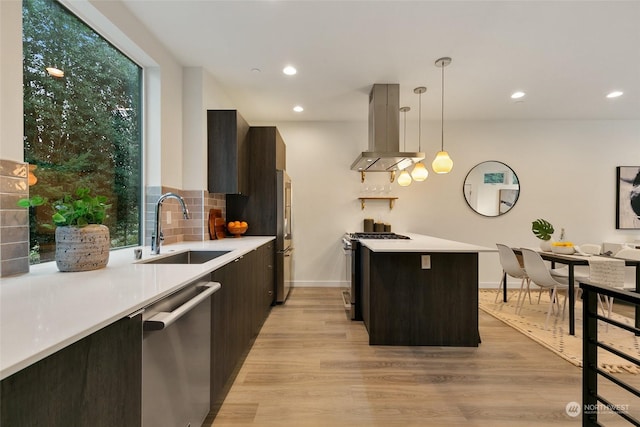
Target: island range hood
{"x":384,"y":153}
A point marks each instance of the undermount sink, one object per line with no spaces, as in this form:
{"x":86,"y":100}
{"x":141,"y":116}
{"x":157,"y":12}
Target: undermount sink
{"x":188,"y":257}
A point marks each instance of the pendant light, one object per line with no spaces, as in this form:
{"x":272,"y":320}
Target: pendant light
{"x":442,"y":163}
{"x":419,"y":172}
{"x":404,"y":179}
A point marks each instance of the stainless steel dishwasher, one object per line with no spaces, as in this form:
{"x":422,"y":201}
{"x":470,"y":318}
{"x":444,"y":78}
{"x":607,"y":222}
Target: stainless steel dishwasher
{"x":176,"y":358}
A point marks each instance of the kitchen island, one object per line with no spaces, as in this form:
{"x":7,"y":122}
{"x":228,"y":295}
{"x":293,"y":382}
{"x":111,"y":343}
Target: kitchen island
{"x":422,"y":291}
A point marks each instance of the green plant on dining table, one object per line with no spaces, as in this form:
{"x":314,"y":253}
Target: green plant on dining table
{"x":542,"y":229}
{"x":78,"y":209}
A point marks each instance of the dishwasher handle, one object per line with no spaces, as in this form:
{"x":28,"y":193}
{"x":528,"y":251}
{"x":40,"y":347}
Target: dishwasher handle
{"x":162,"y":320}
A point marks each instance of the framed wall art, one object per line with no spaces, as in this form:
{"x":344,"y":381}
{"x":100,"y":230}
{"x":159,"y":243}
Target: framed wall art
{"x":628,"y":197}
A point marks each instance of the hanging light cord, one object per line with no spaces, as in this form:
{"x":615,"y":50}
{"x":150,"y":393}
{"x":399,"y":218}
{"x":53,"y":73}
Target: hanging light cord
{"x":420,"y":122}
{"x":442,"y":114}
{"x":404,"y":143}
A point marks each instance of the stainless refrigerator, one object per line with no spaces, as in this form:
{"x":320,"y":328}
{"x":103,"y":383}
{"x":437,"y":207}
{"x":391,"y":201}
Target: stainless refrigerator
{"x":284,"y":237}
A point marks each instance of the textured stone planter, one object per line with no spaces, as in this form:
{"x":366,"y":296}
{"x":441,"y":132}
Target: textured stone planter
{"x":82,"y":248}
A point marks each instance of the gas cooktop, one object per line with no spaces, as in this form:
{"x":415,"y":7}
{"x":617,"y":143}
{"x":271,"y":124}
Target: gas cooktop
{"x":376,"y":235}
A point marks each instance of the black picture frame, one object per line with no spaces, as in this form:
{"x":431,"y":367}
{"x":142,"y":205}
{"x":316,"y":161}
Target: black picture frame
{"x":628,"y":197}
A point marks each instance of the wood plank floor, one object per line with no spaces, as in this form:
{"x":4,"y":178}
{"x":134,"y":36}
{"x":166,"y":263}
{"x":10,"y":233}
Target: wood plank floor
{"x":311,"y":366}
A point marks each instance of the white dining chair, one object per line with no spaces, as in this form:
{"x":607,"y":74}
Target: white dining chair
{"x":609,"y":272}
{"x":613,"y":275}
{"x":590,"y":248}
{"x":540,"y":275}
{"x":511,"y":266}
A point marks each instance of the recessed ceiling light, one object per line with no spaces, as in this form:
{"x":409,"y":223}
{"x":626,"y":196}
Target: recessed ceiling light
{"x":614,"y":94}
{"x":298,"y":109}
{"x":517,"y":95}
{"x":289,"y":70}
{"x":55,"y":72}
{"x":256,"y":70}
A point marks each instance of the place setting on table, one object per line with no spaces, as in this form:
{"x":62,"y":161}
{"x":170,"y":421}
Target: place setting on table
{"x":589,"y":255}
{"x":570,"y":264}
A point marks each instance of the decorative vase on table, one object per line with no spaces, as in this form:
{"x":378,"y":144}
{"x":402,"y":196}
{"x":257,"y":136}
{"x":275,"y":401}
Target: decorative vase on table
{"x":82,"y":248}
{"x":545,"y":245}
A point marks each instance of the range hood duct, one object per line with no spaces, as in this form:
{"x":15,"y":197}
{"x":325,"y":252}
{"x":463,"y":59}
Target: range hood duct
{"x":384,"y":153}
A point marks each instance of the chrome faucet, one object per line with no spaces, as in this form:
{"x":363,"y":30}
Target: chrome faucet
{"x":156,"y":237}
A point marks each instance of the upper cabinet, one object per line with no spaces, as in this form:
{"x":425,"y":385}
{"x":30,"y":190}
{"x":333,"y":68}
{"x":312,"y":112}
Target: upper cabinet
{"x":227,"y":157}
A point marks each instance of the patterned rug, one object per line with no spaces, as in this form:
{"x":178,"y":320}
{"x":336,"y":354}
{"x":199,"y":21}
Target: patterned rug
{"x":556,"y":337}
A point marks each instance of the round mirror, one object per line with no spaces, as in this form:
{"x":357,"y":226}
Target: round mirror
{"x":491,"y":188}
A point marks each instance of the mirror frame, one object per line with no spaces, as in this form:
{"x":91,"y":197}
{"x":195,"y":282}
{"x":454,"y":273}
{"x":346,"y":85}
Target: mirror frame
{"x":503,"y":167}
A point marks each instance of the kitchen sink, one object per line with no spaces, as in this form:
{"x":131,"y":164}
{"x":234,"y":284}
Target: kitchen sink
{"x":188,"y":257}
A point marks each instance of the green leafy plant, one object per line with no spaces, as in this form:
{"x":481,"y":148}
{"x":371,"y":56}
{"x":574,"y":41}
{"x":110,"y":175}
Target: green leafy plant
{"x":78,"y":209}
{"x":542,"y":229}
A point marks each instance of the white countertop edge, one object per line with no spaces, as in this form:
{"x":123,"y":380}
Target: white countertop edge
{"x":422,"y":243}
{"x":40,"y":310}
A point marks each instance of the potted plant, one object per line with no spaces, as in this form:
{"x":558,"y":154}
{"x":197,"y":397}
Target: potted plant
{"x":543,"y":230}
{"x":82,"y":241}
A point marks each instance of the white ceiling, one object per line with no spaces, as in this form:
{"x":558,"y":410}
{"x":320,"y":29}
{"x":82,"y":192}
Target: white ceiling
{"x":566,"y":55}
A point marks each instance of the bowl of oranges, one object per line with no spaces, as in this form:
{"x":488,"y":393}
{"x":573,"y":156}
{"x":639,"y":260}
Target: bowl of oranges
{"x":237,"y":228}
{"x":565,"y":248}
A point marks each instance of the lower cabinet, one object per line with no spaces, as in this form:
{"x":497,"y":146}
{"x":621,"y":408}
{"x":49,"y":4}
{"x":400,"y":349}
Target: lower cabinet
{"x":238,"y":311}
{"x":97,"y":381}
{"x":93,"y":382}
{"x":407,"y":301}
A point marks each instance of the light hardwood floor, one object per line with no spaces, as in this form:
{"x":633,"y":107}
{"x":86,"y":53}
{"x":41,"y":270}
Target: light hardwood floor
{"x":311,"y":366}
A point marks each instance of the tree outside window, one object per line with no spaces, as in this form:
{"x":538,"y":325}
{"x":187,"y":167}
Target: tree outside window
{"x":82,"y":129}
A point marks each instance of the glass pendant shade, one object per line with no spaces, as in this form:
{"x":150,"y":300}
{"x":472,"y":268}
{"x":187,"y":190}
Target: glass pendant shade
{"x":404,"y":179}
{"x":442,"y":163}
{"x":419,"y":172}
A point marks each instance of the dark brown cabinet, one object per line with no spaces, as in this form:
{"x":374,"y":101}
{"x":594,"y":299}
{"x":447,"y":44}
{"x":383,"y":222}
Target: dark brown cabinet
{"x":227,"y":156}
{"x":404,"y":303}
{"x":266,"y":154}
{"x":96,"y":381}
{"x":238,"y":311}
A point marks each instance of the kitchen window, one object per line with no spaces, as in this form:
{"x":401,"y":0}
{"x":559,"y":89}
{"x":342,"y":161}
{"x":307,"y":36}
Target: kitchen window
{"x":82,"y":121}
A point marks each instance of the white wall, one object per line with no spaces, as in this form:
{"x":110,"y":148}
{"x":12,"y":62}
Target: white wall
{"x":566,"y":170}
{"x":11,"y":80}
{"x":201,"y":92}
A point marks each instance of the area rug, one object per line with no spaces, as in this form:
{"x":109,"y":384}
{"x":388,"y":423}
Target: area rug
{"x":556,"y":337}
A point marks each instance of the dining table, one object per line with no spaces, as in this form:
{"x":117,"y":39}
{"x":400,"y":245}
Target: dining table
{"x":571,"y":261}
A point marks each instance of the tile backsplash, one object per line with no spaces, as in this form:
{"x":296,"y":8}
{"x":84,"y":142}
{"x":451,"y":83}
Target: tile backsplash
{"x":196,"y":228}
{"x":14,"y":221}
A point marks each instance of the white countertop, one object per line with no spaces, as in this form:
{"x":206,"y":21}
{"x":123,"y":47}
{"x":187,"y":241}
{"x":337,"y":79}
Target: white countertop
{"x":45,"y":310}
{"x":421,"y":243}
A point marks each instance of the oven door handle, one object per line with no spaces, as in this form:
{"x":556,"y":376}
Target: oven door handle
{"x":163,"y":319}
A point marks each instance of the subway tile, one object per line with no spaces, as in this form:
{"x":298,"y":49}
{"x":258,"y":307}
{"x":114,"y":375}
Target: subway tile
{"x":14,"y":218}
{"x":14,"y":234}
{"x":12,"y":267}
{"x":14,"y":185}
{"x":14,"y":250}
{"x":13,"y":168}
{"x":10,"y":200}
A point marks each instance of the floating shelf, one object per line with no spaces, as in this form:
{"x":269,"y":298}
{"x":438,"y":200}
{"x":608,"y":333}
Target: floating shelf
{"x":390,"y":199}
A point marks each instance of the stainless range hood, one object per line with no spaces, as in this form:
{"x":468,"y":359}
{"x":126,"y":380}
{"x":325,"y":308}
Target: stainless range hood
{"x":384,"y":153}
